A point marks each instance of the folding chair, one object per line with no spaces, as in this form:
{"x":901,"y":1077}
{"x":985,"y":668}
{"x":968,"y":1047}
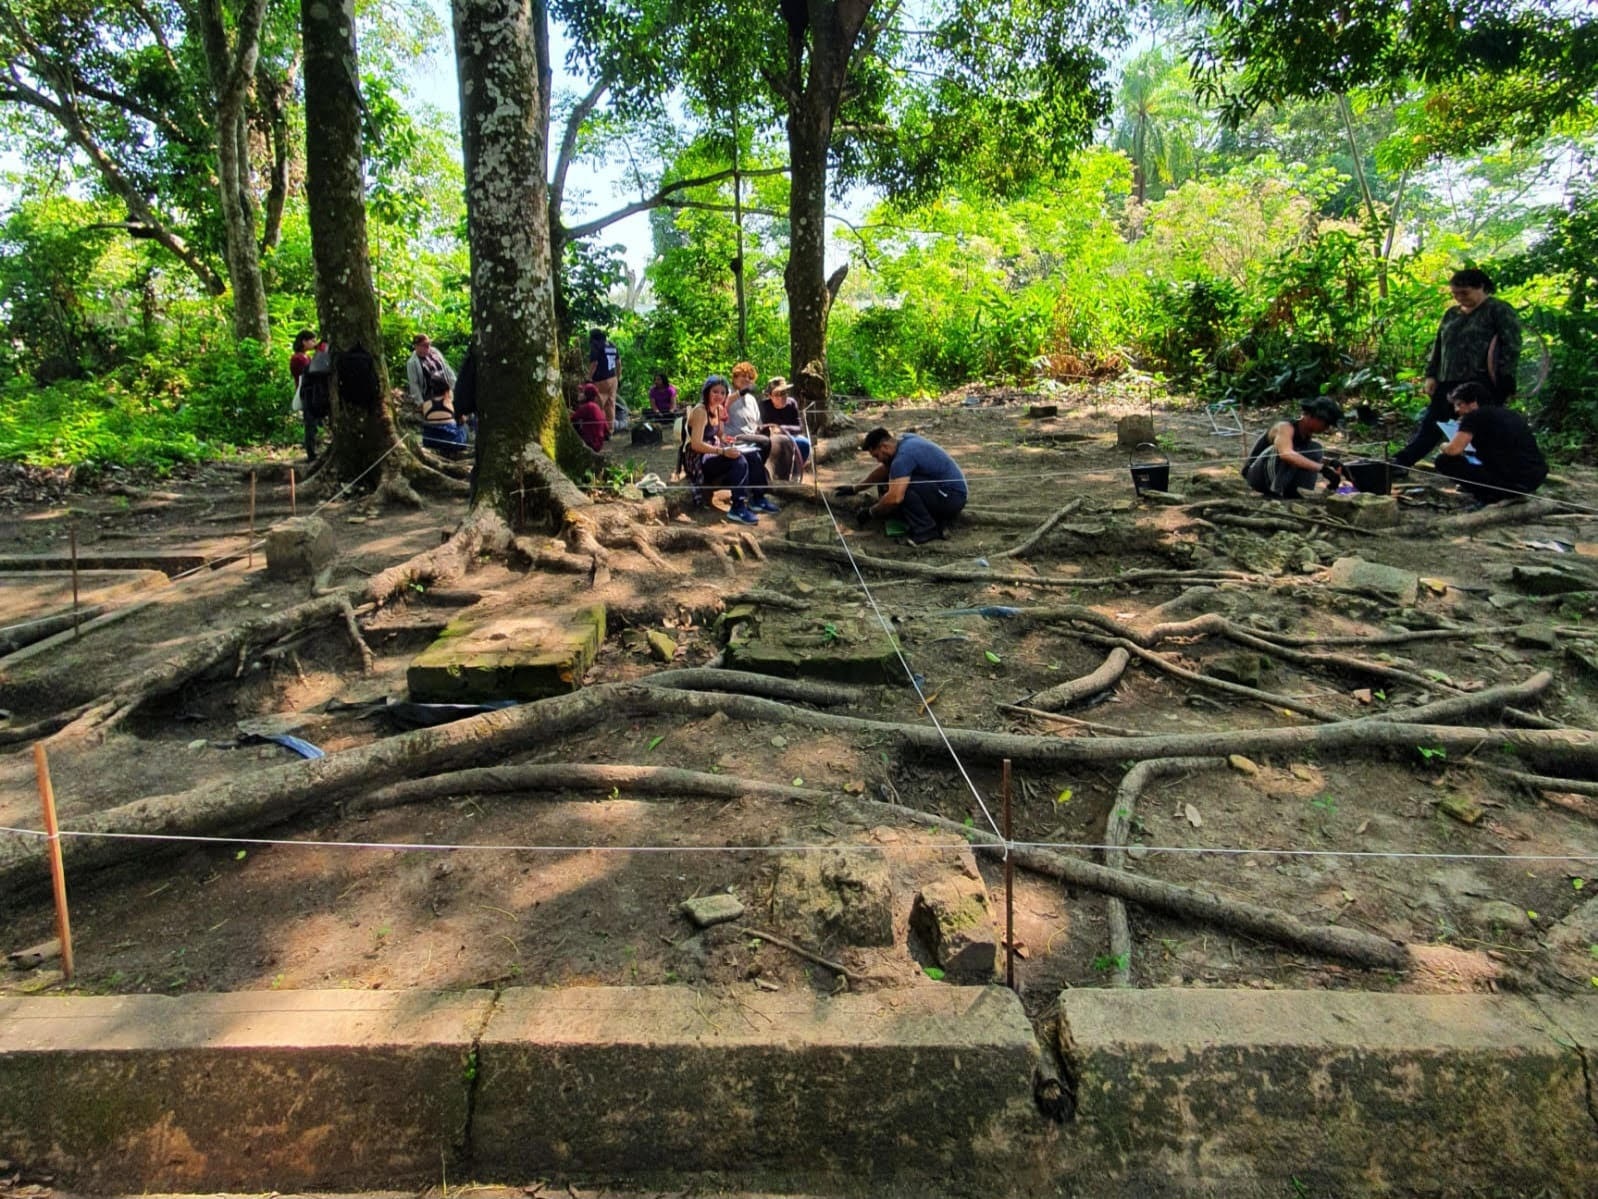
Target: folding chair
{"x":1224,"y":419}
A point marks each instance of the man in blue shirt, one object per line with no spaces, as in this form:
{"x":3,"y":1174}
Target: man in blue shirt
{"x":916,"y":480}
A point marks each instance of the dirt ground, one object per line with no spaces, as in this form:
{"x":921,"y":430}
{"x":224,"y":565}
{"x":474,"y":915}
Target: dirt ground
{"x":583,"y":887}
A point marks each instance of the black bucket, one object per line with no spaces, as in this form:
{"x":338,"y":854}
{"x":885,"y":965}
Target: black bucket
{"x":1375,"y":478}
{"x":1151,"y":476}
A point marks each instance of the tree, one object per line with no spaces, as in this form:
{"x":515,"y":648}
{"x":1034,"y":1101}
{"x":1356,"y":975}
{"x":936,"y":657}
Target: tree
{"x":502,"y":54}
{"x":1157,"y":127}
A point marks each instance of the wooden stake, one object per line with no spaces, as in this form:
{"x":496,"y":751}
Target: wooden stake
{"x":293,"y":510}
{"x":250,"y":565}
{"x":58,"y":877}
{"x":72,"y":538}
{"x":1009,"y":890}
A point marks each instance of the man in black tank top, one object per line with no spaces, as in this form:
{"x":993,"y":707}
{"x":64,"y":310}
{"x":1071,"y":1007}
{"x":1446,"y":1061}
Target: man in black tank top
{"x":1287,"y":459}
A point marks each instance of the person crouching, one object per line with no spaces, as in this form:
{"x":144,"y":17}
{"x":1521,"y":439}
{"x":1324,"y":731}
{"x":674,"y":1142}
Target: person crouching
{"x":1287,"y":460}
{"x":589,"y":418}
{"x":1508,"y":461}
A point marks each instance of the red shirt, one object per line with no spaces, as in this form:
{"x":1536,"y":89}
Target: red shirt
{"x":592,"y":427}
{"x":297,"y":365}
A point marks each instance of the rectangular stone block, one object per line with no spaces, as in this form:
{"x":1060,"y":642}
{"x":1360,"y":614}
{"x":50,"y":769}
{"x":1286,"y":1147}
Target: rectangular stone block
{"x":1342,"y":1092}
{"x":252,"y":1091}
{"x":299,"y":548}
{"x":667,"y":1080}
{"x":520,"y":657}
{"x":840,"y":648}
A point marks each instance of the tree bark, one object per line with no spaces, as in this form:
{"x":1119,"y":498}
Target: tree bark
{"x":335,"y":189}
{"x":502,"y":55}
{"x":822,"y":37}
{"x":231,"y":69}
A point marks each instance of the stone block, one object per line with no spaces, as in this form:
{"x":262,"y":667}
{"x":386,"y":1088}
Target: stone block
{"x":661,"y":647}
{"x":520,"y":657}
{"x":837,"y":898}
{"x":705,"y":910}
{"x":1040,"y":411}
{"x":1374,"y":578}
{"x":1364,"y":511}
{"x":1167,"y":499}
{"x":299,"y":548}
{"x":1241,"y":667}
{"x":1536,"y":636}
{"x":254,"y":1091}
{"x":954,"y":921}
{"x":848,"y":1094}
{"x":1133,"y":431}
{"x":1335,"y":1093}
{"x":840,"y":648}
{"x":1549,"y":580}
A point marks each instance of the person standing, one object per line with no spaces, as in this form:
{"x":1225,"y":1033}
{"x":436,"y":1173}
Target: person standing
{"x":1478,"y":341}
{"x":1287,"y":459}
{"x":299,"y":361}
{"x":604,"y":372}
{"x":423,"y":368}
{"x":915,"y":478}
{"x":1509,"y":462}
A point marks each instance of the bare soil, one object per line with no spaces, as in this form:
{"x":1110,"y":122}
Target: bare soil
{"x":583,"y":888}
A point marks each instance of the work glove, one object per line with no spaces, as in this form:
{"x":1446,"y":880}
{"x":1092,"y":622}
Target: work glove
{"x":846,"y":489}
{"x":862,"y":516}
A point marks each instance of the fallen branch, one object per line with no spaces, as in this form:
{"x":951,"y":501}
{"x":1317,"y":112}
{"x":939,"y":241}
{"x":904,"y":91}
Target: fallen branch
{"x":1185,"y":902}
{"x":1041,"y":531}
{"x":835,"y":967}
{"x":1105,"y":676}
{"x":1116,"y":827}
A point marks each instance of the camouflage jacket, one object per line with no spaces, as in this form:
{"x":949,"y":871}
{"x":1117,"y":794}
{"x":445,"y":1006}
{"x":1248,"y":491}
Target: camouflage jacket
{"x":1459,"y":354}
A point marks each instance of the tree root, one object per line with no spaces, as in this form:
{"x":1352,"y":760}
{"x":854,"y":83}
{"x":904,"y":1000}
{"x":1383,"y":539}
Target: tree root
{"x":1539,"y":782}
{"x":1280,"y":928}
{"x":1092,"y":726}
{"x":482,"y":531}
{"x":356,"y":639}
{"x":1109,"y":672}
{"x":1116,"y":828}
{"x":1270,"y":699}
{"x":1508,"y":512}
{"x":1041,"y":531}
{"x":977,"y":574}
{"x":569,"y":776}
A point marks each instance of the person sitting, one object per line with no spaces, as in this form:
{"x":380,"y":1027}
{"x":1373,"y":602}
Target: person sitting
{"x":780,"y":422}
{"x":711,"y":460}
{"x":432,"y":389}
{"x":1287,"y":459}
{"x":663,"y":396}
{"x":589,"y":418}
{"x":1507,"y":459}
{"x":915,"y":478}
{"x":743,"y":408}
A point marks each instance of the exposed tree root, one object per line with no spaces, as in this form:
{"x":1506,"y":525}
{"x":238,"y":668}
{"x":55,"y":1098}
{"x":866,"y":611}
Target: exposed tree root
{"x":1092,"y":726}
{"x":977,"y":574}
{"x":481,"y":532}
{"x":1539,"y":782}
{"x":1116,"y":827}
{"x":1109,"y":672}
{"x":1347,"y":944}
{"x":1041,"y":531}
{"x":1507,"y":513}
{"x":356,"y":639}
{"x":570,"y":776}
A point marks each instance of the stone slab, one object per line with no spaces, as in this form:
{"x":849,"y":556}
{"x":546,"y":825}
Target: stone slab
{"x":520,"y":657}
{"x":953,"y":919}
{"x":1332,"y":1093}
{"x":653,"y":1081}
{"x":299,"y":548}
{"x":252,"y":1091}
{"x":1374,"y":578}
{"x":840,"y":647}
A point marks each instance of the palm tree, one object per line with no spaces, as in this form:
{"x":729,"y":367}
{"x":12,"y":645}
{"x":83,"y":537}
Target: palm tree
{"x":1160,"y":124}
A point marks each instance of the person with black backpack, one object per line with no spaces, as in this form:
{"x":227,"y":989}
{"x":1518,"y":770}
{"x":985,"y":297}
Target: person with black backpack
{"x":315,"y":393}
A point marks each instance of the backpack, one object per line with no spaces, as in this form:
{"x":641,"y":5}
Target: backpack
{"x":357,"y":378}
{"x":316,"y":387}
{"x":434,"y":380}
{"x":466,"y":386}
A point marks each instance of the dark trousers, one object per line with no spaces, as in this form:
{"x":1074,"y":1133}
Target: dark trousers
{"x":928,"y":506}
{"x":744,"y":475}
{"x":1485,"y":484}
{"x":1427,"y":435}
{"x":1269,"y":475}
{"x":311,"y":427}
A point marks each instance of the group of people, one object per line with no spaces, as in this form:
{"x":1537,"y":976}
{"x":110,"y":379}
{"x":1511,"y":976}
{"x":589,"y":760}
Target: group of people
{"x":1490,"y":452}
{"x":738,"y":440}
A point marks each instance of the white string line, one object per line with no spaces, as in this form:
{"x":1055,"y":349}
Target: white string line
{"x":893,"y":642}
{"x":845,"y":847}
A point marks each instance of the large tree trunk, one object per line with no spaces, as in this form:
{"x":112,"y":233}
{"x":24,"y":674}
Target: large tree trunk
{"x":821,"y":40}
{"x":502,"y":54}
{"x":232,"y":71}
{"x":346,"y":300}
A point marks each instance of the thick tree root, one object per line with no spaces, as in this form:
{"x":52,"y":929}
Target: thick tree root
{"x":1041,"y":531}
{"x":1116,"y":828}
{"x":1540,"y":782}
{"x":976,"y":574}
{"x":1507,"y":513}
{"x":1325,"y":940}
{"x":482,"y":531}
{"x":1109,"y":672}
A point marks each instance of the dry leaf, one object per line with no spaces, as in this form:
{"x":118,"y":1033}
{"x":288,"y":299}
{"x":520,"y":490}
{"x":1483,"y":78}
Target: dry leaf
{"x":1192,"y":815}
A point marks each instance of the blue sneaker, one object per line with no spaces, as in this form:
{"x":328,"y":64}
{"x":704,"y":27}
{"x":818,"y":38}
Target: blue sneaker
{"x":765,"y":504}
{"x":740,"y":514}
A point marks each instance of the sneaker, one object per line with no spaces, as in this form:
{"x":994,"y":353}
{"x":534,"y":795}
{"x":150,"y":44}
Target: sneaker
{"x":764,"y":504}
{"x":740,"y":514}
{"x":924,"y":538}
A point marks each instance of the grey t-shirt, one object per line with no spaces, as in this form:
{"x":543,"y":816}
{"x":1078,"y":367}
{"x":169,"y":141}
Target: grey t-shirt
{"x":918,"y":459}
{"x":743,"y":415}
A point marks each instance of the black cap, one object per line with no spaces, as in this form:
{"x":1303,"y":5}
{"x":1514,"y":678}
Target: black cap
{"x":1324,"y":408}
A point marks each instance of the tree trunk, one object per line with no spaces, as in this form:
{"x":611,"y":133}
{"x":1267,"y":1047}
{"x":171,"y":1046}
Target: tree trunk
{"x":821,"y":39}
{"x":502,"y":55}
{"x":232,"y":71}
{"x":346,"y":300}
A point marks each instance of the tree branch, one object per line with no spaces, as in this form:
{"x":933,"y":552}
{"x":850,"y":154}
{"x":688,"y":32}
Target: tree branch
{"x":662,"y":199}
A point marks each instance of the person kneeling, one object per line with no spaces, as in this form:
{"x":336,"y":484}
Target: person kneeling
{"x":1287,"y":459}
{"x":916,"y":479}
{"x":1494,"y":455}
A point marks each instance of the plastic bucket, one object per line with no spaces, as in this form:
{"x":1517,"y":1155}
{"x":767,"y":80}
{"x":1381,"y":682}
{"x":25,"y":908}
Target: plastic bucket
{"x":1151,"y":476}
{"x":1373,"y":477}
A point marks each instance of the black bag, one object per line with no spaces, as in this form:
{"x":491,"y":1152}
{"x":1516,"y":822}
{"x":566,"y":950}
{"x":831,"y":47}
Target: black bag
{"x":357,"y":378}
{"x":646,"y":434}
{"x":466,"y":386}
{"x":316,"y":387}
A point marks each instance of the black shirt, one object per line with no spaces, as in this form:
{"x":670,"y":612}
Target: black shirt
{"x":1504,"y":442}
{"x":786,"y":417}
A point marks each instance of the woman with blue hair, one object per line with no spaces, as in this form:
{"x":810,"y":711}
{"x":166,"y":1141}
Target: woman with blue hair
{"x":712,"y":461}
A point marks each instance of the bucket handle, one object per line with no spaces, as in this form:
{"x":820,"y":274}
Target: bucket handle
{"x":1166,"y":458}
